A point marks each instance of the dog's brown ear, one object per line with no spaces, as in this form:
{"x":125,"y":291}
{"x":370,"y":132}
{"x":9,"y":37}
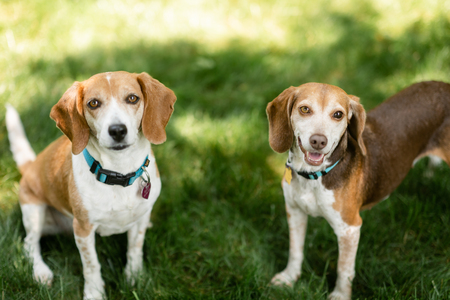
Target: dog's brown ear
{"x":158,"y":107}
{"x":69,"y":117}
{"x":279,"y":114}
{"x":357,"y":122}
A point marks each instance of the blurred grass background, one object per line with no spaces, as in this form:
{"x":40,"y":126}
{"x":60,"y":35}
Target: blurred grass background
{"x":220,"y":229}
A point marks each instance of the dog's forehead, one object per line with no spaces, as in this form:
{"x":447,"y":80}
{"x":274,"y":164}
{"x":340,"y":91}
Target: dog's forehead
{"x":111,"y":83}
{"x":324,"y":95}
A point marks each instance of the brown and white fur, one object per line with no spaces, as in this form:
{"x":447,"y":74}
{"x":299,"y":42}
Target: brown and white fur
{"x":320,"y":124}
{"x":57,"y":190}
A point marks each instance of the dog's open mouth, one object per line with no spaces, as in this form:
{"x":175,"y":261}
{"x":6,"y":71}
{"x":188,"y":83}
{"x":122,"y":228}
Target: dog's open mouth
{"x":313,"y":159}
{"x":119,"y":147}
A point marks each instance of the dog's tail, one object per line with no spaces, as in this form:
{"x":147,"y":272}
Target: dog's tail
{"x":20,"y":147}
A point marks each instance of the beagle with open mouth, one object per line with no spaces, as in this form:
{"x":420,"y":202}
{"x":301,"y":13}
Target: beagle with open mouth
{"x":342,"y":161}
{"x":101,"y":176}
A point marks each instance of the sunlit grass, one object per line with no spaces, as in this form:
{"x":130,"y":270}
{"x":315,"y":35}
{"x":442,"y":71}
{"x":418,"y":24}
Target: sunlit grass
{"x":219,"y":225}
{"x":233,"y":134}
{"x":31,"y":30}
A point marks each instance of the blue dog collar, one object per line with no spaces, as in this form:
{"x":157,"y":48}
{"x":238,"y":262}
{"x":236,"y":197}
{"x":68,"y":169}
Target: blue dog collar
{"x":111,"y":177}
{"x":312,"y":175}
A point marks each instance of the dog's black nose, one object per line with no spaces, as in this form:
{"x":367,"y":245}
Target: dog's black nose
{"x":318,"y":141}
{"x":117,"y":132}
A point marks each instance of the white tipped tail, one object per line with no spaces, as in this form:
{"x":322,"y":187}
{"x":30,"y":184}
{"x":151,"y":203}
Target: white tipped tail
{"x":20,"y":147}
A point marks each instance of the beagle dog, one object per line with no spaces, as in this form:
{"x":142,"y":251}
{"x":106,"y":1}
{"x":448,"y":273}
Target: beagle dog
{"x":342,"y":161}
{"x":101,"y":176}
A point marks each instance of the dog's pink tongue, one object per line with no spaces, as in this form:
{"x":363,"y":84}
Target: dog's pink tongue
{"x":315,"y":156}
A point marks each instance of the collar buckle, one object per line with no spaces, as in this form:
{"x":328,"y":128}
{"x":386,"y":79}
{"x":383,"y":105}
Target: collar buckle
{"x":114,"y":178}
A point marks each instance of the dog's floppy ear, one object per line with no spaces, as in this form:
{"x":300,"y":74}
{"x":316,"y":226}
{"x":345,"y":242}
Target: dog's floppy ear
{"x":279,"y":114}
{"x":158,"y":107}
{"x":69,"y":117}
{"x":357,"y":122}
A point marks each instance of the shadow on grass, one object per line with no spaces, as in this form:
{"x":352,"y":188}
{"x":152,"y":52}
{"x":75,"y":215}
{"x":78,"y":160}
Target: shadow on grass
{"x":223,"y":233}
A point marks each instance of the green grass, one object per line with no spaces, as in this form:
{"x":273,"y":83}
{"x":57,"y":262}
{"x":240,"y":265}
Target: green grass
{"x":220,"y":229}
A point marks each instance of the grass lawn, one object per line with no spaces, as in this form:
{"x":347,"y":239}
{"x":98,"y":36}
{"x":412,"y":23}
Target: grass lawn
{"x":220,"y":229}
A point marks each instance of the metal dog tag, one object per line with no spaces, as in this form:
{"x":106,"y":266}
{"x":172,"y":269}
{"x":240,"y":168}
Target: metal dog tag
{"x":288,"y":175}
{"x":146,"y":184}
{"x":146,"y":190}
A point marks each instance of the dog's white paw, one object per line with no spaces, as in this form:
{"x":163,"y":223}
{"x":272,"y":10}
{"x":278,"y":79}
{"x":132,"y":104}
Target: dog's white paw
{"x":282,"y":279}
{"x":335,"y":295}
{"x":43,"y":274}
{"x":130,"y":276}
{"x":132,"y":273}
{"x":94,"y":291}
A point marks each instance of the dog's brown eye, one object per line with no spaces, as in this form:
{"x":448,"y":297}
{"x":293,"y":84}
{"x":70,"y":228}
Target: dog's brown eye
{"x":132,"y":99}
{"x":305,"y":109}
{"x":94,"y":103}
{"x":338,"y":115}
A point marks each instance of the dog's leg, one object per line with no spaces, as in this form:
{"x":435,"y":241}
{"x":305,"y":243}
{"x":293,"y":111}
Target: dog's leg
{"x":136,"y":237}
{"x":85,"y":240}
{"x":348,"y":239}
{"x":33,"y":216}
{"x":297,"y":221}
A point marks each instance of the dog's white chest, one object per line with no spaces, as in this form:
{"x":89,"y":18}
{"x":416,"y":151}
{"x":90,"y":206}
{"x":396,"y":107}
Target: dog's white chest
{"x":115,"y":208}
{"x":310,"y":196}
{"x":112,"y":208}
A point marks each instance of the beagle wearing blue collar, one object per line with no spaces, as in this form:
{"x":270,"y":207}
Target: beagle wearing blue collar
{"x":342,"y":161}
{"x":101,"y":176}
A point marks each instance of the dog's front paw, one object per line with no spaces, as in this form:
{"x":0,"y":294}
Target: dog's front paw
{"x":94,"y":291}
{"x":43,"y":274}
{"x":335,"y":295}
{"x":283,"y":278}
{"x":132,"y":272}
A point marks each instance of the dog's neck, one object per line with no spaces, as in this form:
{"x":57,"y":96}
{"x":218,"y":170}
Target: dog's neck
{"x":121,"y":161}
